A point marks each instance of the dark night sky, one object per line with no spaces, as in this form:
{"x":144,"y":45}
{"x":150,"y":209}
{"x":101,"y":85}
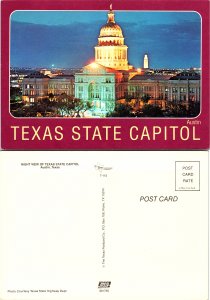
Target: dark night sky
{"x":67,"y":38}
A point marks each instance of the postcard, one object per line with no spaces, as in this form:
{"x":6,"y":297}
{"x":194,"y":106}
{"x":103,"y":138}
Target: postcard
{"x":106,"y":224}
{"x":100,"y":75}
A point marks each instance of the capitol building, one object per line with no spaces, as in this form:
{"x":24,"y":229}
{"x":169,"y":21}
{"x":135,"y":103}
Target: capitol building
{"x":109,"y":78}
{"x":101,"y":81}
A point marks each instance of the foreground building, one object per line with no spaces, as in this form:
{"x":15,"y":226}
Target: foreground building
{"x":34,"y":87}
{"x":97,"y":84}
{"x":61,"y":84}
{"x":160,"y":90}
{"x":100,"y":81}
{"x":37,"y":86}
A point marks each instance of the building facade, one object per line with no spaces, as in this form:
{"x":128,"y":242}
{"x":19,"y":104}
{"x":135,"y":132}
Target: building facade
{"x":101,"y":86}
{"x":162,"y":90}
{"x":61,"y":84}
{"x":97,"y":84}
{"x":37,"y":86}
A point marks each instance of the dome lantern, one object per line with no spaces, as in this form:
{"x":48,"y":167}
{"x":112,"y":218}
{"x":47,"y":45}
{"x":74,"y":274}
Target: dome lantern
{"x":110,"y":15}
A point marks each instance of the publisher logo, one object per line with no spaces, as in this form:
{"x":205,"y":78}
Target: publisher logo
{"x":104,"y":286}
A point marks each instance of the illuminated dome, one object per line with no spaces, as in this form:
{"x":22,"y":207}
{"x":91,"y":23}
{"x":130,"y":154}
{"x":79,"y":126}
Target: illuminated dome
{"x":111,"y":29}
{"x":111,"y":51}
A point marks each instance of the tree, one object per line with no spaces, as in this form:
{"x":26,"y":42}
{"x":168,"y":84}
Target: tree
{"x":64,"y":105}
{"x":15,"y":94}
{"x":51,"y":96}
{"x":151,"y":111}
{"x":81,"y":106}
{"x":73,"y":107}
{"x":121,"y":110}
{"x":193,"y":109}
{"x":177,"y":109}
{"x":26,"y":111}
{"x":145,"y":98}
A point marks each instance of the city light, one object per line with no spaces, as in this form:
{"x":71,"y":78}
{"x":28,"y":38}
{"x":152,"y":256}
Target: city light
{"x":94,"y":65}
